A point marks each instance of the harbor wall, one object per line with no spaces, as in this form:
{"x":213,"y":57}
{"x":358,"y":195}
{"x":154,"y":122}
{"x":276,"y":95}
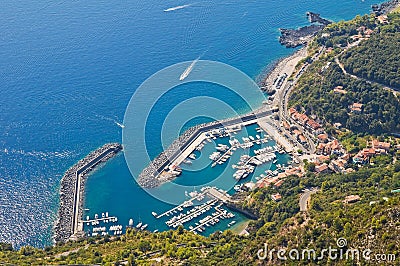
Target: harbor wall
{"x":72,"y":190}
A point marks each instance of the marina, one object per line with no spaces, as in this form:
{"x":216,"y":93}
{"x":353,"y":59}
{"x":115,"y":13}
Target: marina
{"x":158,"y":171}
{"x":206,"y":213}
{"x":238,"y":147}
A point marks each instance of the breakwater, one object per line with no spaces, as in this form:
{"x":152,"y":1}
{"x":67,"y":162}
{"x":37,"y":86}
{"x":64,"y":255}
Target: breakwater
{"x":149,"y":177}
{"x":68,"y":224}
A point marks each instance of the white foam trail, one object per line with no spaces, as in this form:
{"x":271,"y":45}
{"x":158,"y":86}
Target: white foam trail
{"x":112,"y":120}
{"x":188,"y":69}
{"x":176,"y":8}
{"x":119,"y":124}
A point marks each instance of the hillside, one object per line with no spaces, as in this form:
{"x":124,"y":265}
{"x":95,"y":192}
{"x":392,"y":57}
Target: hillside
{"x":334,"y":96}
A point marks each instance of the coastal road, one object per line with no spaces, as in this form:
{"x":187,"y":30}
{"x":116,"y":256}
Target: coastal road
{"x":282,"y":98}
{"x":305,"y":197}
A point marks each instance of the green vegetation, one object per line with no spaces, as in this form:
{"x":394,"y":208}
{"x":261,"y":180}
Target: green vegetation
{"x":377,"y":59}
{"x":280,"y":225}
{"x":315,"y":94}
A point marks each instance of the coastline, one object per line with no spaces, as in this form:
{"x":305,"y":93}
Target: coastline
{"x":282,"y":65}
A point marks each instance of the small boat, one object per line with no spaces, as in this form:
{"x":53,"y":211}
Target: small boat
{"x":139,"y":225}
{"x":143,"y":227}
{"x":154,"y":214}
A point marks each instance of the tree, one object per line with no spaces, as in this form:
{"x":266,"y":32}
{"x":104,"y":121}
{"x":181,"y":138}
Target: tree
{"x":144,"y":246}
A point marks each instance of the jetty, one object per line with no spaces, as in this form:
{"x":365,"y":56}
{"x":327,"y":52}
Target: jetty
{"x":68,"y":225}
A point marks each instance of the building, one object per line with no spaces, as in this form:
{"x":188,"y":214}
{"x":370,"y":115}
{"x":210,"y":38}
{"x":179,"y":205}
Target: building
{"x":356,"y":107}
{"x":311,"y":124}
{"x":323,"y":137}
{"x":383,"y":19}
{"x":320,"y":169}
{"x":351,"y":199}
{"x":339,"y":90}
{"x":276,"y":197}
{"x":302,"y":139}
{"x":322,"y":159}
{"x":381,"y":145}
{"x":338,"y":165}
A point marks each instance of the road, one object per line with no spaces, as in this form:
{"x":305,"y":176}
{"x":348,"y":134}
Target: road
{"x":305,"y":197}
{"x":394,"y":90}
{"x":281,"y":100}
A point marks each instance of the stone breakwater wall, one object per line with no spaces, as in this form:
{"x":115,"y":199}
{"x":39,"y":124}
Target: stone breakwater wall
{"x":148,"y":178}
{"x":71,"y":201}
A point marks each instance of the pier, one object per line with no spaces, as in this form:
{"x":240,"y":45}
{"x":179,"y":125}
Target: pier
{"x":184,"y":204}
{"x":68,"y":224}
{"x":211,"y":219}
{"x":111,"y":218}
{"x":217,"y":194}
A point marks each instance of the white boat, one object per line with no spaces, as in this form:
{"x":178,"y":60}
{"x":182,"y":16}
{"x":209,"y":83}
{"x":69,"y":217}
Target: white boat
{"x":139,"y":225}
{"x":176,"y":8}
{"x":154,"y":214}
{"x":143,"y":227}
{"x":190,"y":67}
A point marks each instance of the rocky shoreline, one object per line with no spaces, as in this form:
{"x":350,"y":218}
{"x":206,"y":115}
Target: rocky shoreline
{"x":65,"y":223}
{"x":295,"y":37}
{"x":385,"y":7}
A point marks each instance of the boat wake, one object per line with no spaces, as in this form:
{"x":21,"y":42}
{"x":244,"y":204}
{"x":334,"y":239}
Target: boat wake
{"x":188,"y":69}
{"x":119,"y":124}
{"x":176,"y":8}
{"x":112,"y":120}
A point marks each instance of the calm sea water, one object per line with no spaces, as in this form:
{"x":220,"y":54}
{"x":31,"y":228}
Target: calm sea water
{"x":69,"y":68}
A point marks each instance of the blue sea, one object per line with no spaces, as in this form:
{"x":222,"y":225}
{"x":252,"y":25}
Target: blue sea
{"x":69,"y":68}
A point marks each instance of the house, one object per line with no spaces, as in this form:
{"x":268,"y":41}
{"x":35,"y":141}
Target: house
{"x":360,"y":159}
{"x":296,"y":132}
{"x":338,"y":165}
{"x":276,"y":197}
{"x":279,"y":183}
{"x":302,"y":139}
{"x":383,"y":19}
{"x":302,"y":118}
{"x":323,"y":137}
{"x":286,"y":125}
{"x":339,"y":90}
{"x":351,"y":199}
{"x":292,"y":111}
{"x":322,"y":158}
{"x":323,"y":168}
{"x":368,"y":33}
{"x":311,"y":124}
{"x":356,"y":107}
{"x":376,"y":144}
{"x":364,"y":155}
